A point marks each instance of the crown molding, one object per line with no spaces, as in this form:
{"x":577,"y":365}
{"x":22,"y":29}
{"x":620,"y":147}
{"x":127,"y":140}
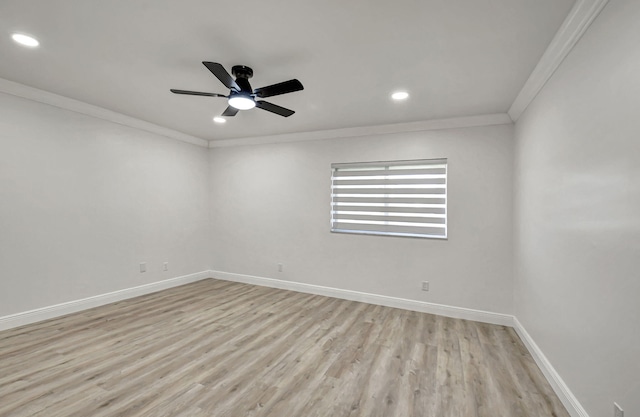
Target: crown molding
{"x":574,"y":26}
{"x":353,"y":132}
{"x":45,"y":97}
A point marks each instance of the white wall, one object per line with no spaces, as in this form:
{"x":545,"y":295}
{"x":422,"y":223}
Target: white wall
{"x":577,"y":215}
{"x":271,"y":204}
{"x":83,"y":201}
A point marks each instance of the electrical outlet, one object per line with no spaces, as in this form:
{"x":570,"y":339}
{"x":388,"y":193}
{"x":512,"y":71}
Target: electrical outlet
{"x":425,"y":285}
{"x":617,"y":410}
{"x":143,"y":267}
{"x":280,"y":267}
{"x":165,"y":266}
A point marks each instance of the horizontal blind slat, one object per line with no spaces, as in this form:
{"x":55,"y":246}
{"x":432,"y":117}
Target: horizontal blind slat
{"x":390,"y":187}
{"x":406,"y":181}
{"x":386,"y":215}
{"x":385,"y":191}
{"x":384,"y":172}
{"x":389,"y":209}
{"x":413,"y":199}
{"x":429,"y":231}
{"x":418,"y":221}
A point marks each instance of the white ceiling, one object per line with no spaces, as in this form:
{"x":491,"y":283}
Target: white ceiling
{"x":455,"y":57}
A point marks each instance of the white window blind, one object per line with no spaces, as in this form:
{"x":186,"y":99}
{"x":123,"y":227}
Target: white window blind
{"x":397,"y":198}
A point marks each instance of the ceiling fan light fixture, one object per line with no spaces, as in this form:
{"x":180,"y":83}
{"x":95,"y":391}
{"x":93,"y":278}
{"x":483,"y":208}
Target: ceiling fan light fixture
{"x":242,"y":102}
{"x":241,"y":95}
{"x":400,"y":95}
{"x":25,"y":40}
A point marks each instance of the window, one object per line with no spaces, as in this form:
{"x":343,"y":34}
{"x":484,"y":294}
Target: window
{"x":398,"y":198}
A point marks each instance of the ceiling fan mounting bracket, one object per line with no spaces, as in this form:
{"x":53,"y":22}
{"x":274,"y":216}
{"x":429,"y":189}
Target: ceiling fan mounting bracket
{"x":242,"y":71}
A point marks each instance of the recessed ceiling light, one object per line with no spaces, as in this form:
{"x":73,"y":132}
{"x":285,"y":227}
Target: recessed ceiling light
{"x":25,"y":40}
{"x":400,"y":95}
{"x":219,"y":119}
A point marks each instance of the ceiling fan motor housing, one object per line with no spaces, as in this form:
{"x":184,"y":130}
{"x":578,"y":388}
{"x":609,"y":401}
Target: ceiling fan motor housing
{"x":242,"y":74}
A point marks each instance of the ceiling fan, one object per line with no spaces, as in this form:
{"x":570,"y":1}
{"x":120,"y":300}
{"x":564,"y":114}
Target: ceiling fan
{"x":241,"y":96}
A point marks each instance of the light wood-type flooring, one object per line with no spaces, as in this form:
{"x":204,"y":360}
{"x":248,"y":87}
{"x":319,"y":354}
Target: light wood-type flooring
{"x":216,"y":349}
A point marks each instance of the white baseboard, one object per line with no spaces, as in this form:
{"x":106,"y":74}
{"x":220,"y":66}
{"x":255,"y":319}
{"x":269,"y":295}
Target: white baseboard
{"x":561,"y":389}
{"x":45,"y":313}
{"x":383,"y":300}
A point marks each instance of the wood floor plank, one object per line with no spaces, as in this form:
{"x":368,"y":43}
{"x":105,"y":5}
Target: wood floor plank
{"x":224,"y":349}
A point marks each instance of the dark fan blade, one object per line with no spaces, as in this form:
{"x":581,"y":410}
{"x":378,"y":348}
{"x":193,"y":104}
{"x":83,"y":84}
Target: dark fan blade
{"x":265,"y":105}
{"x":222,"y":74}
{"x":230,"y":111}
{"x":280,"y":88}
{"x":196,"y":93}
